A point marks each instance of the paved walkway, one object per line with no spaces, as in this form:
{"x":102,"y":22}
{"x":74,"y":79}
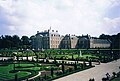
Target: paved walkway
{"x":97,"y":72}
{"x":33,"y":76}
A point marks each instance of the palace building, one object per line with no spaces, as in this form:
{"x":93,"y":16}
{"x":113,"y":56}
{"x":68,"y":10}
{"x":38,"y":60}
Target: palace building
{"x":51,"y":39}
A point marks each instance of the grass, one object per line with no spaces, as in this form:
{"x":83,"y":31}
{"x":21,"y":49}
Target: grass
{"x":5,"y":75}
{"x":32,"y":68}
{"x":23,"y":70}
{"x":24,"y":65}
{"x":69,"y":56}
{"x":116,"y":79}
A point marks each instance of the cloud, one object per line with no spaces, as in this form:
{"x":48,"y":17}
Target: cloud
{"x":25,"y":17}
{"x":111,"y":26}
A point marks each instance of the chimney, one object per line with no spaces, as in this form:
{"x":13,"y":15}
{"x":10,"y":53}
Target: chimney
{"x":37,"y":32}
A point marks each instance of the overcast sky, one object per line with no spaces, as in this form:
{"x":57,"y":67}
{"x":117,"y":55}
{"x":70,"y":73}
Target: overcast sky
{"x":93,"y":17}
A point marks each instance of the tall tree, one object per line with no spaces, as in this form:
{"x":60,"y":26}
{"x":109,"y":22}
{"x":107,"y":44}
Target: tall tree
{"x":25,"y":42}
{"x":52,"y":72}
{"x":63,"y":67}
{"x":7,"y":41}
{"x":16,"y":41}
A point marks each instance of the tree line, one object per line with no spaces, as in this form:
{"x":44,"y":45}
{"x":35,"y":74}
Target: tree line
{"x":15,"y":42}
{"x":115,"y":40}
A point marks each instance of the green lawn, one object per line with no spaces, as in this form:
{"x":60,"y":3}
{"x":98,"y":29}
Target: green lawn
{"x":23,"y":69}
{"x":69,"y":56}
{"x":5,"y":75}
{"x":116,"y":79}
{"x":24,"y":65}
{"x":31,"y":68}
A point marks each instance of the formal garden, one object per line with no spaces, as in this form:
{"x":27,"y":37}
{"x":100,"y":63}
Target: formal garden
{"x":40,"y":65}
{"x":8,"y":72}
{"x":116,"y":79}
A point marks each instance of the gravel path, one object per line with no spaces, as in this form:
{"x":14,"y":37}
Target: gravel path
{"x":97,"y":72}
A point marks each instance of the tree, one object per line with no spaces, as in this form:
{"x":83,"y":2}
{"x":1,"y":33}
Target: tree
{"x":16,"y":77}
{"x":25,"y":42}
{"x":72,"y":57}
{"x":45,"y":76}
{"x":63,"y":67}
{"x":84,"y":65}
{"x":114,"y":39}
{"x":31,"y":38}
{"x":37,"y":56}
{"x":52,"y":71}
{"x":114,"y":74}
{"x":55,"y":60}
{"x":9,"y":42}
{"x":45,"y":55}
{"x":103,"y":36}
{"x":75,"y":66}
{"x":14,"y":66}
{"x":90,"y":62}
{"x":16,"y":40}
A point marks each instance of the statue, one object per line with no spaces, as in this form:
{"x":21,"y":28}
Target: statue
{"x":80,"y":53}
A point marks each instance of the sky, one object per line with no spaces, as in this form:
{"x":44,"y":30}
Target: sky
{"x":93,"y":17}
